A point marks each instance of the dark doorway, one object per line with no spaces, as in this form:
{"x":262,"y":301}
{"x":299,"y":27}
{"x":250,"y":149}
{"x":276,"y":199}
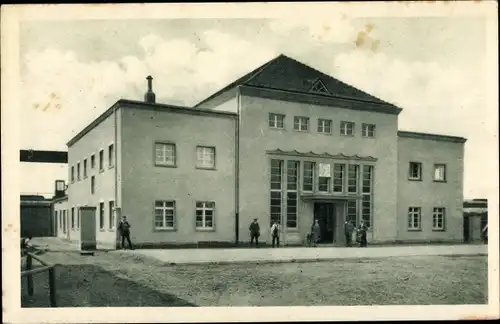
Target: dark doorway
{"x":324,"y":213}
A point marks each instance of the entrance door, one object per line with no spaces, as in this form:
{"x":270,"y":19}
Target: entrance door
{"x":88,"y":228}
{"x":323,"y":212}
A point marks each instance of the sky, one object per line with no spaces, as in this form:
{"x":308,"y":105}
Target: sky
{"x":432,"y":67}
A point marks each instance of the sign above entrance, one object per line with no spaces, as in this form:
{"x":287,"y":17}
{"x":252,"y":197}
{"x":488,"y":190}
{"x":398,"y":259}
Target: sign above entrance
{"x":324,"y":170}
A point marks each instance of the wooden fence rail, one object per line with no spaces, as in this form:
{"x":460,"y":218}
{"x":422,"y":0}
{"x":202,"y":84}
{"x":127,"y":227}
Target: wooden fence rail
{"x":29,"y":272}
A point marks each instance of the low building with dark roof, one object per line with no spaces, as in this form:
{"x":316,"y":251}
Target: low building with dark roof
{"x":284,"y":143}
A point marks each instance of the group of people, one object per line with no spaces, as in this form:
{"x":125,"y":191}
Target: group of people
{"x":314,"y":236}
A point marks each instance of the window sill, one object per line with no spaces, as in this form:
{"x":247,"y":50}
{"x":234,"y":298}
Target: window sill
{"x":101,"y":170}
{"x":347,"y":135}
{"x":301,"y":131}
{"x":110,"y":167}
{"x":165,"y":165}
{"x":111,"y":229}
{"x":414,"y":230}
{"x":292,"y":230}
{"x":438,"y":230}
{"x":439,"y":181}
{"x":166,"y":229}
{"x":85,"y":177}
{"x":325,"y":133}
{"x":277,"y":128}
{"x":412,"y":179}
{"x":203,"y":168}
{"x":102,"y":230}
{"x":204,"y":229}
{"x":372,"y":137}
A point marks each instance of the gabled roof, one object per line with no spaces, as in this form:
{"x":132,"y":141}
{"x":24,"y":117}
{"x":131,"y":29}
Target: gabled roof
{"x":285,"y":73}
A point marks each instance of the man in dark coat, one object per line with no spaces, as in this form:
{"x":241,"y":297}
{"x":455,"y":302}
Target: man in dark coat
{"x":124,"y":228}
{"x":254,"y":232}
{"x":348,"y":229}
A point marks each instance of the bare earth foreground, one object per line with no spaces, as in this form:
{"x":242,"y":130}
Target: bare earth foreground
{"x":115,"y":279}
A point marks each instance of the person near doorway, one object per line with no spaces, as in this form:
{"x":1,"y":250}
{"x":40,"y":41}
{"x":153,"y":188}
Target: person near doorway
{"x":124,"y":228}
{"x":316,"y":233}
{"x":348,"y":229}
{"x":254,"y":232}
{"x":275,"y":232}
{"x":362,"y":235}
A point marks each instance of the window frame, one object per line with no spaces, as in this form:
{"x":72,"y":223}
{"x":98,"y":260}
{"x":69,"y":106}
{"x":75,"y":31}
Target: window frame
{"x":274,"y":191}
{"x":344,"y":127}
{"x":175,"y":156}
{"x":420,"y":177}
{"x":300,"y":120}
{"x":275,"y":120}
{"x":101,"y":160}
{"x":102,"y":216}
{"x":72,"y":173}
{"x":92,"y":161}
{"x":412,"y":212}
{"x":164,"y":208}
{"x":312,"y":177}
{"x":202,"y":167}
{"x":85,"y":170}
{"x":78,"y":171}
{"x":111,"y":155}
{"x":436,"y":165}
{"x":436,"y":212}
{"x":322,"y":125}
{"x":203,"y":208}
{"x":92,"y":185}
{"x":111,"y":215}
{"x":365,"y":130}
{"x":292,"y":191}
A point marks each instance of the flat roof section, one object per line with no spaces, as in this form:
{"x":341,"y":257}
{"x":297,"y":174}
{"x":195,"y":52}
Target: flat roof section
{"x":434,"y":137}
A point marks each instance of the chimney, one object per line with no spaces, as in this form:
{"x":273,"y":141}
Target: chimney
{"x":150,"y":97}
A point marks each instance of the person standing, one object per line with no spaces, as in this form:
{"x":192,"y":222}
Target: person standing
{"x":348,"y":229}
{"x":316,"y":232}
{"x":362,"y":235}
{"x":124,"y":228}
{"x":275,"y":232}
{"x":254,"y":232}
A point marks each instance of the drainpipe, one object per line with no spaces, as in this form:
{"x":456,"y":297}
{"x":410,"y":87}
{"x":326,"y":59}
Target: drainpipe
{"x":237,"y":169}
{"x":116,"y":211}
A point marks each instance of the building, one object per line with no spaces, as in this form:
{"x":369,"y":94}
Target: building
{"x":36,"y":216}
{"x":283,"y":143}
{"x":475,"y":220}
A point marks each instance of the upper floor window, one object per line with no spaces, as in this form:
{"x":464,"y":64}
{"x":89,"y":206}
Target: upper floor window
{"x":165,"y":154}
{"x":439,"y":172}
{"x":368,"y":130}
{"x":324,"y":126}
{"x":101,"y":160}
{"x":78,"y":171}
{"x":414,"y":218}
{"x":352,"y":178}
{"x":205,"y":157}
{"x":84,"y":168}
{"x":415,"y":171}
{"x":301,"y":123}
{"x":346,"y":128}
{"x":276,"y":120}
{"x":111,"y":155}
{"x":72,"y":173}
{"x":164,"y":214}
{"x":92,"y":185}
{"x":92,"y":161}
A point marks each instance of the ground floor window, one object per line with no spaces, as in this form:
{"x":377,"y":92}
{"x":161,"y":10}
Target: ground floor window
{"x":291,"y":210}
{"x":164,"y":214}
{"x":101,"y":215}
{"x":352,"y":212}
{"x":112,"y":215}
{"x":438,"y":215}
{"x":414,"y":219}
{"x":275,"y":206}
{"x":73,"y":218}
{"x":205,"y":215}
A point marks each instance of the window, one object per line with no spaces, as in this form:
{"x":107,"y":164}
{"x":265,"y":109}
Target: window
{"x":72,"y":174}
{"x":101,"y":215}
{"x":101,"y":160}
{"x":205,"y":157}
{"x":352,"y":212}
{"x":205,"y":215}
{"x":291,"y":195}
{"x":346,"y":128}
{"x":415,"y":171}
{"x":92,"y":161}
{"x":324,"y":177}
{"x":276,"y":121}
{"x":165,"y":154}
{"x":324,"y":126}
{"x":308,"y":176}
{"x":276,"y":179}
{"x":323,"y":184}
{"x":64,"y":220}
{"x":414,"y":218}
{"x":368,"y":130}
{"x":338,"y":177}
{"x":165,"y":214}
{"x":367,"y":193}
{"x":438,"y":215}
{"x":58,"y":219}
{"x":319,"y":87}
{"x":111,"y":155}
{"x":73,"y":218}
{"x":352,"y":178}
{"x":112,"y":215}
{"x":78,"y":171}
{"x":301,"y":123}
{"x":78,"y":217}
{"x":439,"y":172}
{"x":85,"y":168}
{"x":92,"y":185}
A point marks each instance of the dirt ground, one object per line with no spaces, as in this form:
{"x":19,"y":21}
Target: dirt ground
{"x":112,"y":279}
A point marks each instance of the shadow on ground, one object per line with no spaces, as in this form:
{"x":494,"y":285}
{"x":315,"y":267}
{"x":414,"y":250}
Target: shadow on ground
{"x":91,"y":286}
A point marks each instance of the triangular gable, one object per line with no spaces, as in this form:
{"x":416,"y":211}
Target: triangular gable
{"x":319,"y":87}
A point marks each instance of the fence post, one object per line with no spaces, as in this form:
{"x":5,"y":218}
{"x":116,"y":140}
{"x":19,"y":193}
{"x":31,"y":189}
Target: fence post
{"x":29,"y":277}
{"x":52,"y":286}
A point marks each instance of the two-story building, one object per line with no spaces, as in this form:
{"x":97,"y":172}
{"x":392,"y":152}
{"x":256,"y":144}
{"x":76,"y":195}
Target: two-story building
{"x":283,"y":143}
